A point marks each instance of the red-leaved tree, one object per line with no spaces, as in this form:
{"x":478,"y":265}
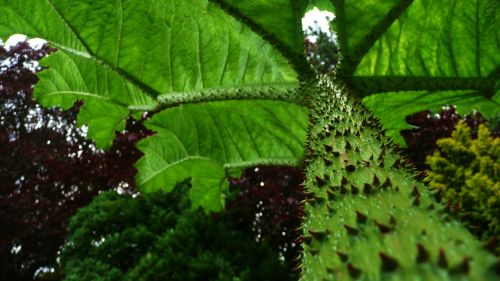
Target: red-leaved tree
{"x":48,"y":169}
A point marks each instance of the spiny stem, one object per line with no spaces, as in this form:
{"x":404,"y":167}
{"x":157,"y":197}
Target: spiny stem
{"x":366,"y":217}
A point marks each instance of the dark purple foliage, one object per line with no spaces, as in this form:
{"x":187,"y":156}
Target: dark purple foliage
{"x":47,"y":168}
{"x":268,"y":202}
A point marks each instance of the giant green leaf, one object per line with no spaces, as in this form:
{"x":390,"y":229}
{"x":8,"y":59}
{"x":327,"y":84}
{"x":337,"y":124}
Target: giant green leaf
{"x":202,"y":140}
{"x":422,"y":54}
{"x":390,"y":42}
{"x":164,"y":46}
{"x":147,"y":48}
{"x":235,"y":132}
{"x":460,"y":39}
{"x":151,"y":43}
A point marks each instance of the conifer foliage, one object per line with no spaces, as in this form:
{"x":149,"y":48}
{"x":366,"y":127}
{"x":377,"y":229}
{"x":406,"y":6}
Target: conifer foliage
{"x":158,"y":237}
{"x":466,"y":169}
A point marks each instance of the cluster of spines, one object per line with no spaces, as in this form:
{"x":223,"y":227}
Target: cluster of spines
{"x":352,"y":168}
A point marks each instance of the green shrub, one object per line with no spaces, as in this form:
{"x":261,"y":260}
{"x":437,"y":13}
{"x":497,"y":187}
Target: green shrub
{"x":467,"y":170}
{"x":159,"y":237}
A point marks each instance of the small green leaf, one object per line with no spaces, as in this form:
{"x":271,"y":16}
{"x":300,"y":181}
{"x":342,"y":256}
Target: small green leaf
{"x":208,"y":186}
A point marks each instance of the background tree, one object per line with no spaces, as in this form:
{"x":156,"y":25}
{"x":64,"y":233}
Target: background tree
{"x":321,"y":48}
{"x":157,"y":237}
{"x":267,"y":202}
{"x":48,"y":168}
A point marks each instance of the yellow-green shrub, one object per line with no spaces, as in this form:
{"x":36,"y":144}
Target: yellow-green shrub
{"x":468,"y":171}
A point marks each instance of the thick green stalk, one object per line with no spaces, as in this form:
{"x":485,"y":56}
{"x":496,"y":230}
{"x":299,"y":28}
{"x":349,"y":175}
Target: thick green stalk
{"x":366,"y":217}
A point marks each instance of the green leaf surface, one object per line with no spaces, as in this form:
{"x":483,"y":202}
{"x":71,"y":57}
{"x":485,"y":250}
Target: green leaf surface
{"x":162,"y":46}
{"x":208,"y":186}
{"x":68,"y":77}
{"x":127,"y":52}
{"x":103,"y":119}
{"x":202,"y":140}
{"x":166,"y":163}
{"x":235,"y":132}
{"x":358,"y":19}
{"x":392,"y":108}
{"x":422,"y":54}
{"x":286,"y":27}
{"x":322,"y":5}
{"x":449,"y":38}
{"x":107,"y":95}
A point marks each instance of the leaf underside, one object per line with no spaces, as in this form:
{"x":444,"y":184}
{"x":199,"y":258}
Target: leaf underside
{"x":124,"y":56}
{"x":227,"y":134}
{"x":437,"y":52}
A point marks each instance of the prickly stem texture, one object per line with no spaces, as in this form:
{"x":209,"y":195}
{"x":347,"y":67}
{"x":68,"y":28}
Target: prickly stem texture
{"x":367,"y":217}
{"x":278,"y":92}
